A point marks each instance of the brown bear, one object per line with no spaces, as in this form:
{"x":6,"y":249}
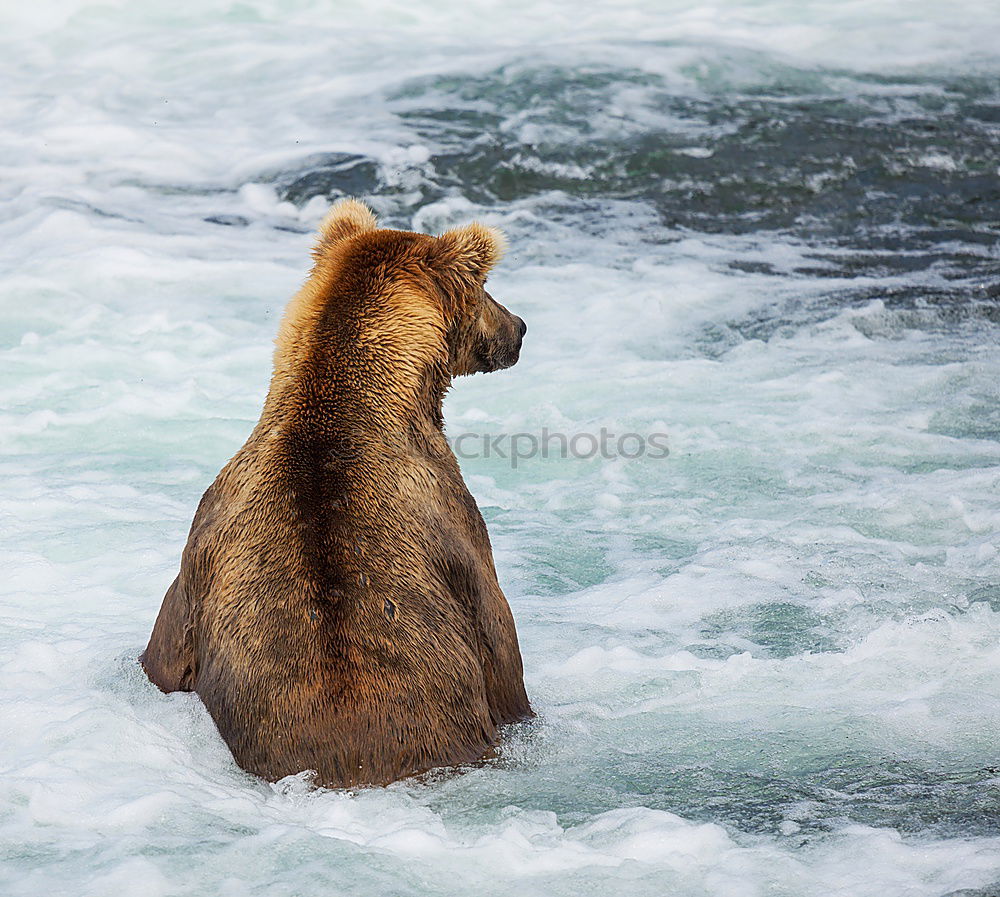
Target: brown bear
{"x":337,"y":608}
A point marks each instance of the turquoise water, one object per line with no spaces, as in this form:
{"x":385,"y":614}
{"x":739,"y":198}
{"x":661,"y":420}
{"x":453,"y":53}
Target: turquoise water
{"x":765,"y":664}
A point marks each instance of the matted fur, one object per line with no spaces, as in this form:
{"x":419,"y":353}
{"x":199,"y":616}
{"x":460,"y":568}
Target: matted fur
{"x":337,"y":607}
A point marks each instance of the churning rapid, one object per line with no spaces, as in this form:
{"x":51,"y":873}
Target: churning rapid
{"x":766,"y":661}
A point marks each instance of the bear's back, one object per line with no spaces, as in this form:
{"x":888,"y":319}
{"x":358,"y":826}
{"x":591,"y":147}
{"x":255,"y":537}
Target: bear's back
{"x":341,"y":629}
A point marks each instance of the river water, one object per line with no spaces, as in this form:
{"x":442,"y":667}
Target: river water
{"x":765,"y":663}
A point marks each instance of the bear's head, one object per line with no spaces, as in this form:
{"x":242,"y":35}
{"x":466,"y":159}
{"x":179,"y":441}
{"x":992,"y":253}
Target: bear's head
{"x":429,"y":291}
{"x":483,"y":335}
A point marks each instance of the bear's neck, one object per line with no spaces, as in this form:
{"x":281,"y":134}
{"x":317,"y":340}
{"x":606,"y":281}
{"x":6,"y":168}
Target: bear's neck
{"x":358,"y":372}
{"x":362,"y":402}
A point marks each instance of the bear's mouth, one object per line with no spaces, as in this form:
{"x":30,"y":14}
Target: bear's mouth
{"x":511,"y":358}
{"x":499,"y":357}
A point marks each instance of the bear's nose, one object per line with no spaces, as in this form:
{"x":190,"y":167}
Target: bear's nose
{"x":524,"y":327}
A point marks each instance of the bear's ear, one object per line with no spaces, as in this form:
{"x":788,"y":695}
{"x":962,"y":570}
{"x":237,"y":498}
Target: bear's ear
{"x":347,"y":218}
{"x":467,"y":253}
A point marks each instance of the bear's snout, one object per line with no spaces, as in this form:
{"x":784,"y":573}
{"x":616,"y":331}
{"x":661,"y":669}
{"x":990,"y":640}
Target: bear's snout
{"x":511,"y":352}
{"x":504,"y":333}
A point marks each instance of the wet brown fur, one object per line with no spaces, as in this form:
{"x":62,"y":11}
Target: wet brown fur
{"x":337,"y":608}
